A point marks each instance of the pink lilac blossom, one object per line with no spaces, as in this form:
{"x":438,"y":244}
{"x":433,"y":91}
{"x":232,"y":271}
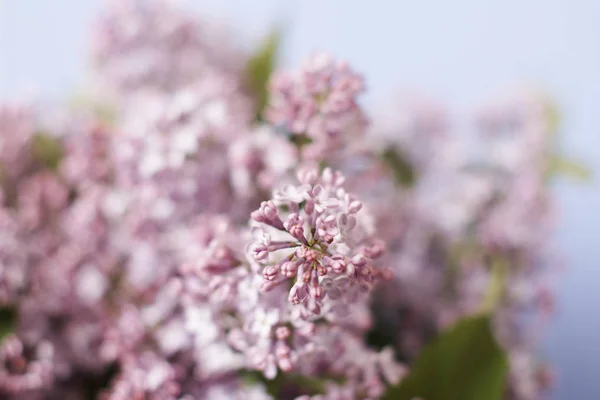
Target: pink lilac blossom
{"x":318,"y":102}
{"x":155,"y":45}
{"x":489,"y":220}
{"x":418,"y":127}
{"x":329,"y":248}
{"x":168,"y":252}
{"x":25,"y":367}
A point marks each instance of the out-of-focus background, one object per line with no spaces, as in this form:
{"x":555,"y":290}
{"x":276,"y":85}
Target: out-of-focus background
{"x":460,"y":52}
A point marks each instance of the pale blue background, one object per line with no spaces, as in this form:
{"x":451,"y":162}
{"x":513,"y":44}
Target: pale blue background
{"x":460,"y":51}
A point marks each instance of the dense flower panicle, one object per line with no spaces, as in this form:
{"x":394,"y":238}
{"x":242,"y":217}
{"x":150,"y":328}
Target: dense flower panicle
{"x":269,"y":342}
{"x":131,"y":270}
{"x":39,"y":199}
{"x":151,"y":44}
{"x":318,"y":102}
{"x":172,"y":128}
{"x":171,"y":156}
{"x":328,"y":249}
{"x":87,"y":156}
{"x":259,"y":160}
{"x":17,"y":128}
{"x":221,"y":295}
{"x":13,"y":274}
{"x":526,"y":209}
{"x":367,"y":372}
{"x":494,"y":227}
{"x":146,"y":376}
{"x":418,"y":128}
{"x":24,"y":367}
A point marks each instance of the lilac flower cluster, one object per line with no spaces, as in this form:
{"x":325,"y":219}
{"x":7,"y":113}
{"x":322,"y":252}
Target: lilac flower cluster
{"x":181,"y":247}
{"x":474,"y":231}
{"x":154,"y":45}
{"x":328,"y":244}
{"x":318,"y":103}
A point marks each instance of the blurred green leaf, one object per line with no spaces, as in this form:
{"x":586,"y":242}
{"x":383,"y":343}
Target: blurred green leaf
{"x":560,"y":166}
{"x":381,"y":334}
{"x":300,"y":141}
{"x":463,"y":363}
{"x":556,"y":164}
{"x":47,"y":150}
{"x":259,"y":69}
{"x":103,"y":111}
{"x":498,"y":271}
{"x":286,"y":385}
{"x":401,"y":168}
{"x":252,"y":377}
{"x":8,"y":319}
{"x":552,"y":115}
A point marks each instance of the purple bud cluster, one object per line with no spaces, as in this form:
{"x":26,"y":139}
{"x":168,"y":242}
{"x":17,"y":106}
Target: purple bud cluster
{"x":325,"y":244}
{"x":318,"y":102}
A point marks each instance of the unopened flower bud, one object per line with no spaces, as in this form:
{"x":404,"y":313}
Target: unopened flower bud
{"x":298,"y":293}
{"x":289,"y":269}
{"x":270,"y":273}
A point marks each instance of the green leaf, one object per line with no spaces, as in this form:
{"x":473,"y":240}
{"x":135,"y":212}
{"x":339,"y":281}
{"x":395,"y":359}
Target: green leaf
{"x":8,"y":319}
{"x":47,"y":150}
{"x":498,"y":270}
{"x":552,"y":116}
{"x":259,"y":69}
{"x":401,"y":168}
{"x":300,"y":141}
{"x":463,"y":363}
{"x":560,"y":166}
{"x":286,"y":385}
{"x":102,"y":110}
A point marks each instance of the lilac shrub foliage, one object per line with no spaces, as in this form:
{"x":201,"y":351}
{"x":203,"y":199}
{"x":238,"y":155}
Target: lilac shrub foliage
{"x":182,"y":247}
